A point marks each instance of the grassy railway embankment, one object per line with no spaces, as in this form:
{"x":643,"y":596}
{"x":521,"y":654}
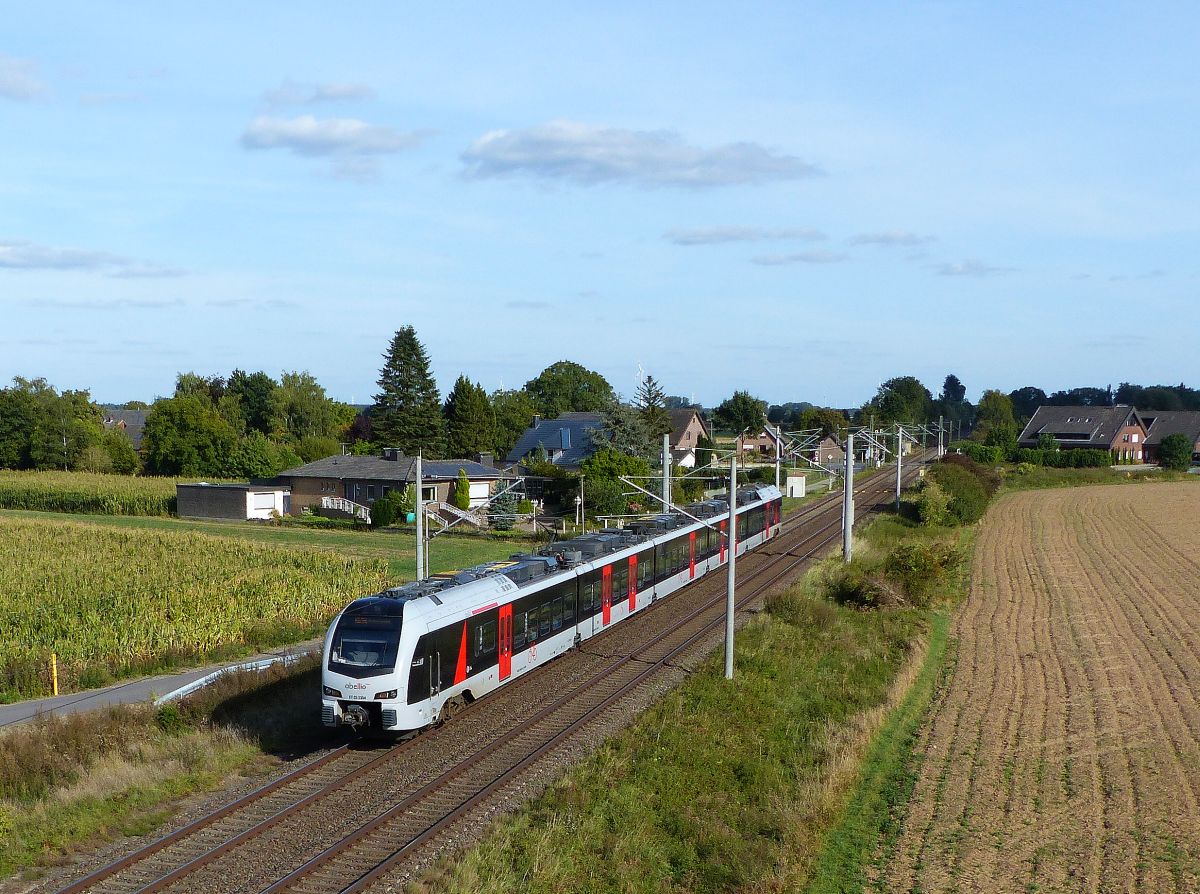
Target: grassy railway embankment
{"x":793,"y":766}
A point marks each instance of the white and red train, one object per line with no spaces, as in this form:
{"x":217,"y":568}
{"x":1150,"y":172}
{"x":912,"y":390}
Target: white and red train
{"x":409,"y":656}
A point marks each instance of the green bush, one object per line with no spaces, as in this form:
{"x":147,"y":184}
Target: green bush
{"x":981,"y":453}
{"x":968,"y":497}
{"x":988,"y":476}
{"x":932,"y":504}
{"x":525,"y":507}
{"x":462,"y":491}
{"x":916,"y":568}
{"x":387,"y":510}
{"x":1176,"y":452}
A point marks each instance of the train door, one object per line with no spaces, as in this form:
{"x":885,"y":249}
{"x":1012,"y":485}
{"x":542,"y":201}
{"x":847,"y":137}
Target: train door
{"x":505,"y":635}
{"x":633,"y":579}
{"x":606,"y":594}
{"x":724,"y":539}
{"x":692,"y":555}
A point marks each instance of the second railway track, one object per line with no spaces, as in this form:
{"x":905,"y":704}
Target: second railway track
{"x":347,"y":820}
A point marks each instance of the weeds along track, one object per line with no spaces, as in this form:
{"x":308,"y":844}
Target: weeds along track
{"x":1064,"y":753}
{"x":347,"y":819}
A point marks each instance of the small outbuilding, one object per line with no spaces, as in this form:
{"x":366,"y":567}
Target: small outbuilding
{"x":231,"y":502}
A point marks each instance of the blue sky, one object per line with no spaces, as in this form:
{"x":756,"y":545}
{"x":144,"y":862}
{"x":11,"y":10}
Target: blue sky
{"x":801,"y":200}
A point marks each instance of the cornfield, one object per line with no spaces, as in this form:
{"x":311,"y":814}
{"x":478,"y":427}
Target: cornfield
{"x":112,"y":603}
{"x":87,"y":492}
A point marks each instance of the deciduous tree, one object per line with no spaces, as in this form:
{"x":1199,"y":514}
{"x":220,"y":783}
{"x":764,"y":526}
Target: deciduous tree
{"x":566,"y":386}
{"x":741,"y":412}
{"x":1175,"y":452}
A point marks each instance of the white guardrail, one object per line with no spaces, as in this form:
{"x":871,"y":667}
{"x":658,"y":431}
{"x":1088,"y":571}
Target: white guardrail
{"x":260,"y":664}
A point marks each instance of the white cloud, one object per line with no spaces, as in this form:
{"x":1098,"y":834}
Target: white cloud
{"x":800,"y":257}
{"x":972,"y":267}
{"x":291,"y":93}
{"x":718,"y":235}
{"x":306,"y":135}
{"x":890,"y":238}
{"x":28,"y":256}
{"x":566,"y":150}
{"x":18,"y":80}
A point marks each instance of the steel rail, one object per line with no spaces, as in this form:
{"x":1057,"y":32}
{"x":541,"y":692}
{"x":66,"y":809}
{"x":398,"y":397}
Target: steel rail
{"x":94,"y":878}
{"x":505,"y":776}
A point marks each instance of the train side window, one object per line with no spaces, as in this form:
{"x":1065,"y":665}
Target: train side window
{"x":620,"y":578}
{"x":485,"y":639}
{"x":557,"y":614}
{"x":544,"y":620}
{"x":531,"y":625}
{"x":568,"y":603}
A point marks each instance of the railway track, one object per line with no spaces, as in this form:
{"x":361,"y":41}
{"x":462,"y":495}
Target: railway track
{"x":400,"y":809}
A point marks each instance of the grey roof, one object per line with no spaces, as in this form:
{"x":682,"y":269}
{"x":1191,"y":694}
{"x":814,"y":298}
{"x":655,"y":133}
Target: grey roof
{"x":549,"y":433}
{"x":1169,"y":422}
{"x":134,"y":421}
{"x":1079,"y":426}
{"x":377,"y":468}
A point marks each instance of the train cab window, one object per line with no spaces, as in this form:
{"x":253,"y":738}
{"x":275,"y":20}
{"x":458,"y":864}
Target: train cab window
{"x":485,"y":639}
{"x":556,"y":614}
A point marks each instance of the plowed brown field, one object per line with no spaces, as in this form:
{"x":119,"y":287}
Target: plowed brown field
{"x":1064,"y":753}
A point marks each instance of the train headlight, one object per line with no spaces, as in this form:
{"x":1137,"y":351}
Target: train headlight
{"x":385,"y":696}
{"x":330,"y":691}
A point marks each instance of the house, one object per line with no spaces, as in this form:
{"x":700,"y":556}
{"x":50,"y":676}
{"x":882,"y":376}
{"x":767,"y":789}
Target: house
{"x":364,"y":479}
{"x":762,"y":443}
{"x":828,"y":453}
{"x":1161,"y":423}
{"x":567,"y":439}
{"x":234,"y":502}
{"x":132,"y":422}
{"x":1120,"y":429}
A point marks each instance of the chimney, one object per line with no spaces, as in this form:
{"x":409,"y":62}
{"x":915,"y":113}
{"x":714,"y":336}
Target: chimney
{"x":537,"y":420}
{"x":392,"y":454}
{"x":485,"y":459}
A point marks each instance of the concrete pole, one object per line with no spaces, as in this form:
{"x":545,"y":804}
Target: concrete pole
{"x":848,"y":503}
{"x":730,"y":572}
{"x":899,"y":458}
{"x":420,"y":507}
{"x":778,"y":458}
{"x":666,"y":482}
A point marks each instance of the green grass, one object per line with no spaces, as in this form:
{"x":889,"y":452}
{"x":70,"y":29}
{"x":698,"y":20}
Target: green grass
{"x":733,"y":786}
{"x":866,"y":832}
{"x":446,"y":552}
{"x":67,"y":782}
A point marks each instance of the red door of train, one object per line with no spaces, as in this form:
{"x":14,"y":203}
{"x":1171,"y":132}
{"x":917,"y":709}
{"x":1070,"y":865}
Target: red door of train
{"x":724,"y":539}
{"x":606,"y":594}
{"x":505,"y":633}
{"x":692,"y":556}
{"x":633,"y":583}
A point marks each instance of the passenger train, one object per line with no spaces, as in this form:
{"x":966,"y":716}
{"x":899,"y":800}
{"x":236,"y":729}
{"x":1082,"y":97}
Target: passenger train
{"x":417,"y":654}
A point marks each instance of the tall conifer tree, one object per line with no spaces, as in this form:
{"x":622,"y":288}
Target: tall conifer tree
{"x":651,"y":403}
{"x":470,"y":420}
{"x":408,"y":412}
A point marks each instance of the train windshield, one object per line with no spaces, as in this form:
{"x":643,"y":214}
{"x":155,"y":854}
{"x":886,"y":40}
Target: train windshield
{"x":366,"y":640}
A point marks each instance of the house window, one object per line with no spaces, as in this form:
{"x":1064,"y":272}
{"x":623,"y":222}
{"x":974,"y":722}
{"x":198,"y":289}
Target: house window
{"x":429,"y":494}
{"x":1125,"y":438}
{"x":370,"y":492}
{"x":1135,"y":438}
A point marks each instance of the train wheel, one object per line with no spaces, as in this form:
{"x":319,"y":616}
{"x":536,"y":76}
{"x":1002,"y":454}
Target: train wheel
{"x":452,"y":708}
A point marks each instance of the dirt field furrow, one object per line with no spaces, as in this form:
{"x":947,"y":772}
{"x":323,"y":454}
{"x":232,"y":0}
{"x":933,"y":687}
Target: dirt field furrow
{"x":1064,"y":752}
